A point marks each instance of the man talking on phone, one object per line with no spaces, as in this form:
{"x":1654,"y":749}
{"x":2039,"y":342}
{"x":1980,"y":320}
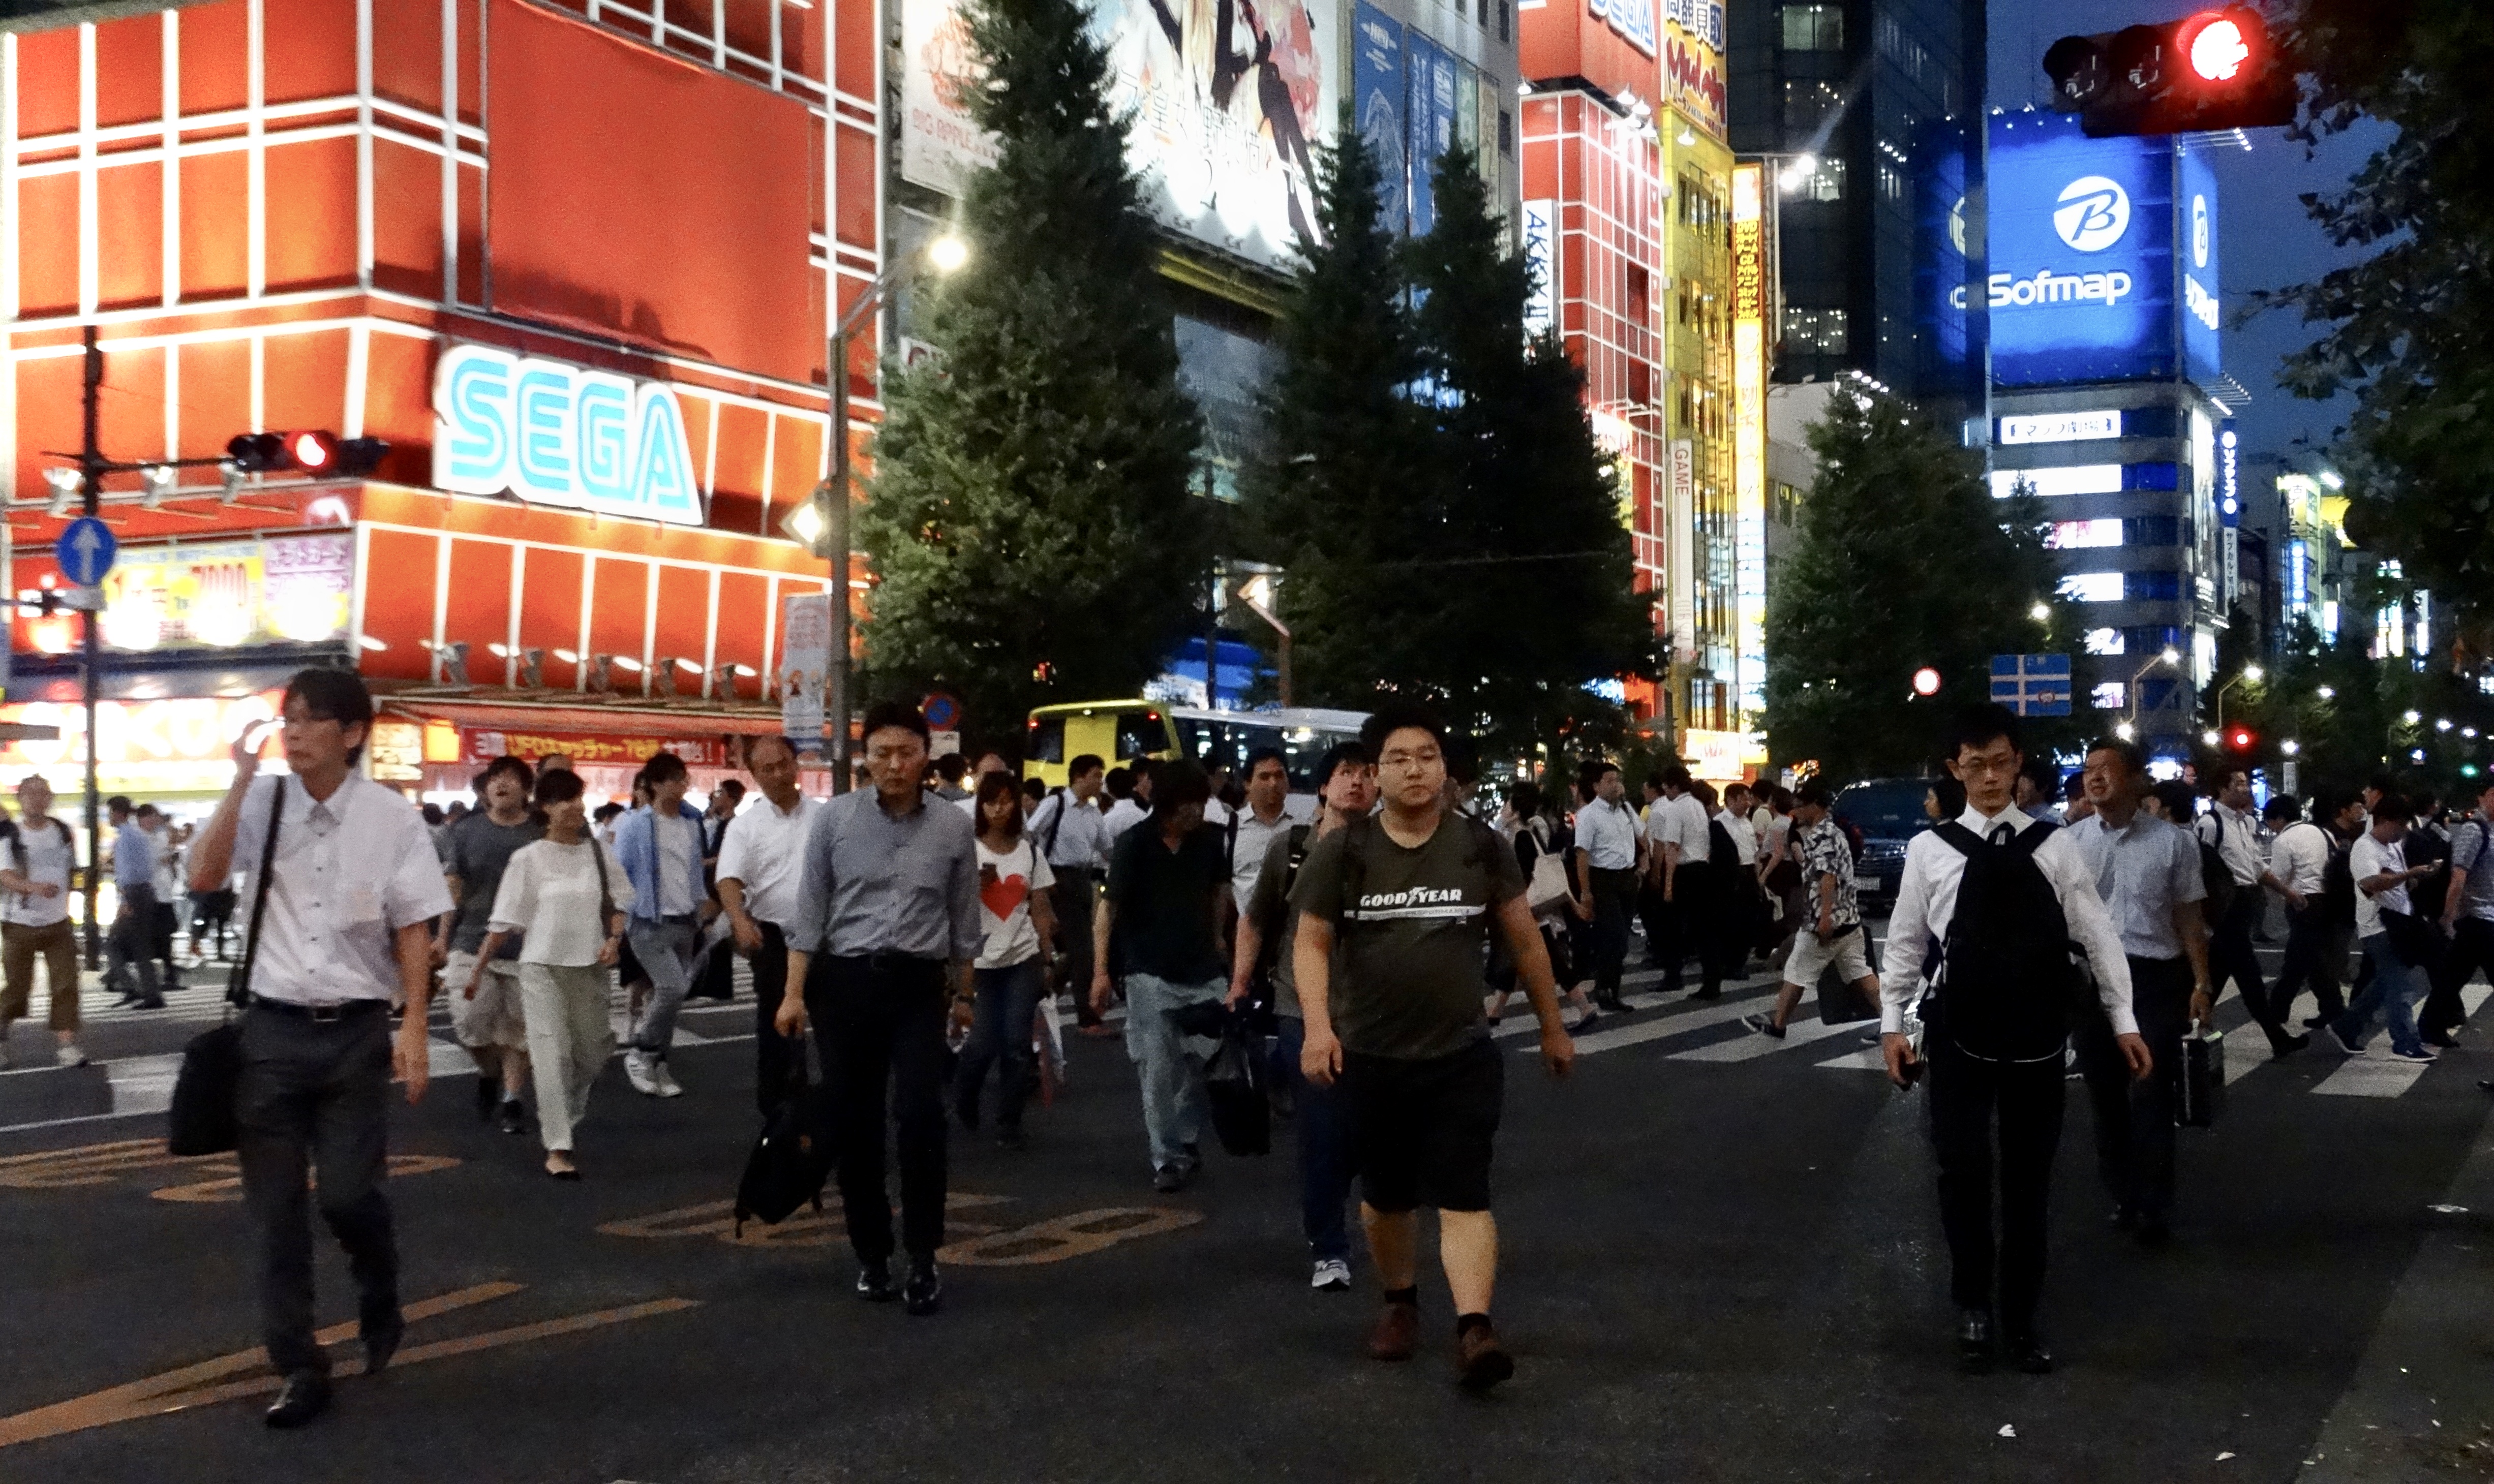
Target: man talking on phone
{"x":353,"y":887}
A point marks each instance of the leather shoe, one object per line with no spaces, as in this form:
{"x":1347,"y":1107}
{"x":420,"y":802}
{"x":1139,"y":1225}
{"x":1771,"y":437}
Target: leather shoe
{"x":874,"y":1283}
{"x":1974,"y":1354}
{"x":924,"y":1294}
{"x":1398,"y":1329}
{"x":2028,"y":1354}
{"x":2287,"y":1046}
{"x":380,"y":1348}
{"x":1480,"y":1361}
{"x":304,"y":1396}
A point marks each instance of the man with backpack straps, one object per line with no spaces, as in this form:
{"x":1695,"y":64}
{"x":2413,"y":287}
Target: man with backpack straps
{"x":35,"y":919}
{"x":1991,"y":906}
{"x":2234,"y":830}
{"x":1074,"y":838}
{"x":2468,"y":917}
{"x":1264,"y":945}
{"x":2311,"y":855}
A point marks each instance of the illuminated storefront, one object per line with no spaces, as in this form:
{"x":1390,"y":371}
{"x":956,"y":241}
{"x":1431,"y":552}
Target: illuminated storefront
{"x":598,"y":366}
{"x":1749,"y":436}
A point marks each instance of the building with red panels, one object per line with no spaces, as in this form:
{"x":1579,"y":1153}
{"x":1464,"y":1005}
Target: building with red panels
{"x":1623,"y":188}
{"x":575,"y":263}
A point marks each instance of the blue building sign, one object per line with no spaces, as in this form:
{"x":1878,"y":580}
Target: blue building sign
{"x":1378,"y":100}
{"x":2081,"y":282}
{"x":2202,"y":315}
{"x":2032,"y":685}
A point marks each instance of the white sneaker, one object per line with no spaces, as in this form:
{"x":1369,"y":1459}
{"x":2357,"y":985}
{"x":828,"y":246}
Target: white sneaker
{"x":69,"y":1055}
{"x":636,"y":1070}
{"x":665,"y":1081}
{"x":1332,"y":1275}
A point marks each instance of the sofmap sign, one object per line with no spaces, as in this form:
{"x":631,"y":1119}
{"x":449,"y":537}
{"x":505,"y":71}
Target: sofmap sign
{"x":2083,"y":281}
{"x":2202,"y":315}
{"x":561,"y":435}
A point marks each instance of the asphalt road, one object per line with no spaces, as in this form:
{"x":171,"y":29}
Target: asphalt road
{"x":1722,"y":1262}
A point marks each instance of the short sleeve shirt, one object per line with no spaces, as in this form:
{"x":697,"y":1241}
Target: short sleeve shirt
{"x":1412,"y":923}
{"x":350,"y":871}
{"x":476,"y":850}
{"x":1824,"y":852}
{"x":2470,"y":853}
{"x":1006,"y":882}
{"x":1164,"y":903}
{"x":2143,"y":871}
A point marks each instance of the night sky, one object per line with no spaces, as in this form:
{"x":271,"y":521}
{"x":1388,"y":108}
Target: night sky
{"x":2265,"y":239}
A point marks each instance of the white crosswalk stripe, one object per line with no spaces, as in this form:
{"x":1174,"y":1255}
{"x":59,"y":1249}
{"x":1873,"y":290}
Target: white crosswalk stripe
{"x":2375,"y":1074}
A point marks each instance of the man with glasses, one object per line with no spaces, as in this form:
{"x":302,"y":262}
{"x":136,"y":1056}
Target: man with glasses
{"x":352,"y":893}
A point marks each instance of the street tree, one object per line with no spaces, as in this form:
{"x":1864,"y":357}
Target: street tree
{"x":1902,"y":558}
{"x":2406,"y":328}
{"x":1030,"y":521}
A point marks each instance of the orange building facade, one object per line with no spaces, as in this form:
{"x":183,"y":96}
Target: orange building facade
{"x":576,"y":264}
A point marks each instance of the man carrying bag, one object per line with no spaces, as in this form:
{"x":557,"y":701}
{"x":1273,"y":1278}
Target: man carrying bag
{"x":353,"y":885}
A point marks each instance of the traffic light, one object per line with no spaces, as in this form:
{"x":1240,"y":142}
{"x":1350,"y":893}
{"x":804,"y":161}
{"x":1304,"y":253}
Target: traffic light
{"x":316,"y":451}
{"x":2239,"y":741}
{"x":2212,"y":70}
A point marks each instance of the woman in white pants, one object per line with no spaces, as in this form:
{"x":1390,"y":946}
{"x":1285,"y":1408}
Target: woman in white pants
{"x":559,"y":895}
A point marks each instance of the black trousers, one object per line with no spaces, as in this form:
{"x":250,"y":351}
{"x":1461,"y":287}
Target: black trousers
{"x":1968,"y":1097}
{"x":2315,"y":957}
{"x":1693,"y":924}
{"x":879,"y":1026}
{"x":1076,"y":897}
{"x":1615,"y":893}
{"x":2231,"y":956}
{"x":772,"y":1051}
{"x":2471,"y":951}
{"x":2135,"y":1119}
{"x":315,"y":1097}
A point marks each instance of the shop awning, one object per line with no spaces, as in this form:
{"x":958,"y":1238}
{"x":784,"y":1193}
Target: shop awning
{"x":435,"y":731}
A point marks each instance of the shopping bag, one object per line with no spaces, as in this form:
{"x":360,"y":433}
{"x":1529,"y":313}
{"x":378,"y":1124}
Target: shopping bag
{"x":2204,"y":1079}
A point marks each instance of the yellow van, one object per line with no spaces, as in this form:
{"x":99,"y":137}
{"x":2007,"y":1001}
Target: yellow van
{"x":1121,"y":732}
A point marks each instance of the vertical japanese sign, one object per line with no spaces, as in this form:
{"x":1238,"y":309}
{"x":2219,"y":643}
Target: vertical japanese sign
{"x":804,"y":657}
{"x":1377,"y":98}
{"x":1749,"y":436}
{"x":1681,"y":539}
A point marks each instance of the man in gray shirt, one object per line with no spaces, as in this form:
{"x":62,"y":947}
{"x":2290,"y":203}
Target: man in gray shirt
{"x":2148,"y":871}
{"x":885,"y":930}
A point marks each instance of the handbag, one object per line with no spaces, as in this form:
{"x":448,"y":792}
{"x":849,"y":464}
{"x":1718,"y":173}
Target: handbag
{"x":1235,"y":1088}
{"x":1548,"y":887}
{"x":791,"y":1159}
{"x":2204,"y":1079}
{"x":203,"y":1118}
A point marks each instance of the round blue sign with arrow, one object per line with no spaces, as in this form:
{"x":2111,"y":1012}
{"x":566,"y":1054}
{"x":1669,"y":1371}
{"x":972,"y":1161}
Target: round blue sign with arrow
{"x":86,"y":550}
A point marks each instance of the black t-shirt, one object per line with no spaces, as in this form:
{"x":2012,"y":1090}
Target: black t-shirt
{"x":1166,"y":900}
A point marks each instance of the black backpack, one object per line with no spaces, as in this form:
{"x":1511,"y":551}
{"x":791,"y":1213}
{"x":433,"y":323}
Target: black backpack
{"x":2007,"y":980}
{"x":2217,"y":876}
{"x":2338,"y":883}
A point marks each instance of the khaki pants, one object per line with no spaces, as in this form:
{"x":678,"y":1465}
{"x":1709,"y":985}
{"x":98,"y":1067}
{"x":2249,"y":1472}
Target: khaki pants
{"x":570,"y":1039}
{"x":57,"y":943}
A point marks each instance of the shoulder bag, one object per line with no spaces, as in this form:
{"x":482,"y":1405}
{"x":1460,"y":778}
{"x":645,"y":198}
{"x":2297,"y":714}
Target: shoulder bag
{"x":1548,"y":887}
{"x":203,"y":1118}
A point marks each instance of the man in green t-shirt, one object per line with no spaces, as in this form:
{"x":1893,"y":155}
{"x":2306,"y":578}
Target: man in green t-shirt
{"x":1409,"y":896}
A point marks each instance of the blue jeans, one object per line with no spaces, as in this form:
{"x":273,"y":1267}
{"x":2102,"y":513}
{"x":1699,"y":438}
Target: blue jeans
{"x":2395,"y":987}
{"x":1325,"y":1167}
{"x":1172,"y":1070}
{"x":1007,"y":1007}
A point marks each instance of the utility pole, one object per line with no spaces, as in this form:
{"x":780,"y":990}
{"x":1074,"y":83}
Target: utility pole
{"x":91,"y":486}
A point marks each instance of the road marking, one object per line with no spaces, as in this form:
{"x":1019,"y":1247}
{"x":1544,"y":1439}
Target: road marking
{"x":1751,"y":1046}
{"x":972,"y":1243}
{"x":54,"y":1169}
{"x":207,"y":1382}
{"x":1066,"y":1236}
{"x":1676,"y":1023}
{"x":805,"y":1227}
{"x":2379,"y":1076}
{"x":229,"y":1187}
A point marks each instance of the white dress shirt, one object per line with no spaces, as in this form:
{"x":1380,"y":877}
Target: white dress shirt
{"x":1606,"y":832}
{"x":1124,"y":816}
{"x":1927,"y":904}
{"x":1680,"y":822}
{"x":2236,"y":835}
{"x":1072,"y":831}
{"x":2301,"y":855}
{"x":1744,"y":835}
{"x":765,"y":852}
{"x":352,"y":870}
{"x":1247,"y":847}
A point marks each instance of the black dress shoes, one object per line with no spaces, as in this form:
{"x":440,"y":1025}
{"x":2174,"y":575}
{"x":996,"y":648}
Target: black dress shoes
{"x":304,"y":1396}
{"x":379,"y":1347}
{"x":874,"y":1283}
{"x":1974,"y":1353}
{"x":923,"y":1292}
{"x":2027,"y":1354}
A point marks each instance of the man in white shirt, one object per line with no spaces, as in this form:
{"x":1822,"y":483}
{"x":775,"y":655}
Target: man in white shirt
{"x":2385,"y":925}
{"x":1738,"y":879}
{"x":1677,"y":871}
{"x":1136,"y":803}
{"x":1607,"y":852}
{"x":2467,"y":917}
{"x":1998,"y":1023}
{"x":352,"y":896}
{"x":1074,"y":838}
{"x":40,"y":858}
{"x":1247,"y":833}
{"x":2234,"y":830}
{"x":761,"y":859}
{"x":128,"y":966}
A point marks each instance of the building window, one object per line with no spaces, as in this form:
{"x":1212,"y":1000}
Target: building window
{"x":1816,"y":332}
{"x":1813,"y":28}
{"x":1808,"y":102}
{"x":1892,"y":182}
{"x":1824,"y":183}
{"x":1640,"y":292}
{"x":1501,"y":20}
{"x":1505,"y":120}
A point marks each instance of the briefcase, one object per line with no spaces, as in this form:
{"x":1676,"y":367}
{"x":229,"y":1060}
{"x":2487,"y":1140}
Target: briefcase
{"x":2204,"y":1079}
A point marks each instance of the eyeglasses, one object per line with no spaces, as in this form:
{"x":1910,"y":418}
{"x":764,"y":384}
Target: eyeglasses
{"x":1987,"y":765}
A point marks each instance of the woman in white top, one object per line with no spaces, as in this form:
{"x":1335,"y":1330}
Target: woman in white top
{"x":1012,"y":966}
{"x":560,"y":896}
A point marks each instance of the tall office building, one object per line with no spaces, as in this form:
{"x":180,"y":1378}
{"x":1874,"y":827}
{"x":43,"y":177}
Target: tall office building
{"x":1865,"y":110}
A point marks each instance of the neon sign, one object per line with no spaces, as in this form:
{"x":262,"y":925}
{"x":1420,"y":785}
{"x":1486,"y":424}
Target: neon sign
{"x":561,"y":435}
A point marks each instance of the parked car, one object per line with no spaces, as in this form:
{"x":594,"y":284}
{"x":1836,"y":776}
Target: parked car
{"x":1889,"y":812}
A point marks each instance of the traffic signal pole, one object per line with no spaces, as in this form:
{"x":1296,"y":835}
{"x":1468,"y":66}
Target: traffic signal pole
{"x":91,"y":485}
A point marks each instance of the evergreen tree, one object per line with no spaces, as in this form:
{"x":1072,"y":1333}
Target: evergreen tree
{"x":1030,"y":521}
{"x":1903,"y":558}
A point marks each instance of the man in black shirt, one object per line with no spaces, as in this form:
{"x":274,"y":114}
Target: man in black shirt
{"x":1168,"y":910}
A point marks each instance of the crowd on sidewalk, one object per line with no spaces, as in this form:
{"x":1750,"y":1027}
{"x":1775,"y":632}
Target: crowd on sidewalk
{"x":939,"y":926}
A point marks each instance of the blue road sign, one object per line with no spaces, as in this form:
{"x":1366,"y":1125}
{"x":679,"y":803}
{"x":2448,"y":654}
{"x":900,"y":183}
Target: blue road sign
{"x":86,"y":550}
{"x":2032,"y":685}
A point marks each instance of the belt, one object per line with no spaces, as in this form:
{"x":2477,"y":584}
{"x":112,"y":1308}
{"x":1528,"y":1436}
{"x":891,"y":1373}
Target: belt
{"x":675,"y":918}
{"x":319,"y":1015}
{"x":889,"y":964}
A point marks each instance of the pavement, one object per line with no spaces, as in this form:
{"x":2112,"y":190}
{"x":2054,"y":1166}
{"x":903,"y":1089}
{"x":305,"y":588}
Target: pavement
{"x":1720,"y":1262}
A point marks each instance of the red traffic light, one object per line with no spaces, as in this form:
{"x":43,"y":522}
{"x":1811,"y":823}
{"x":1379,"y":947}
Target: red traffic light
{"x":313,"y":451}
{"x":2239,"y":738}
{"x":2216,"y":68}
{"x":2216,"y":44}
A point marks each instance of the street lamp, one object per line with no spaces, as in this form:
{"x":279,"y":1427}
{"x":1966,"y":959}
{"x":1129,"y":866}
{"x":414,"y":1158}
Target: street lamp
{"x":822,"y":523}
{"x":2251,"y":672}
{"x":2041,"y":613}
{"x":2328,"y":693}
{"x":2168,"y":655}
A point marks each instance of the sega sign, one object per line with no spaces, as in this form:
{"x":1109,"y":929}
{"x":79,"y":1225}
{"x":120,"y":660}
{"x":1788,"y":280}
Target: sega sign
{"x":2081,"y":281}
{"x":561,"y":435}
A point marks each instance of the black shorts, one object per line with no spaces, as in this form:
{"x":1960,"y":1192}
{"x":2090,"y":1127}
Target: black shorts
{"x":1423,"y":1129}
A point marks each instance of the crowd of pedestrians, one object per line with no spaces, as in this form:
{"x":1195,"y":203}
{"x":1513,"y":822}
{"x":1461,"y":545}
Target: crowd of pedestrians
{"x":1372,"y":940}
